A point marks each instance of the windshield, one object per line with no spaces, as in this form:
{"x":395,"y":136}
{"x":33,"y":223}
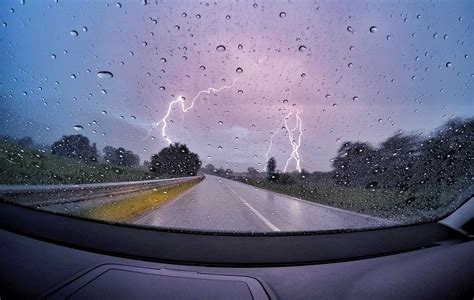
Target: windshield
{"x":238,"y":116}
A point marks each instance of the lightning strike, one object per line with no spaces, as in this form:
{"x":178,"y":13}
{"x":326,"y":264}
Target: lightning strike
{"x":180,"y":100}
{"x":295,"y":141}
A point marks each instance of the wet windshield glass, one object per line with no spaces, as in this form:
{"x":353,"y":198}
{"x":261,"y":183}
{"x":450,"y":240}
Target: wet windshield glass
{"x":238,"y":115}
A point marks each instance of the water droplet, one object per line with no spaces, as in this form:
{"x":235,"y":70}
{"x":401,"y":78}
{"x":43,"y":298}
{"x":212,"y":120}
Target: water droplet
{"x":104,"y":92}
{"x":202,"y":68}
{"x":220,"y":48}
{"x":105,"y":74}
{"x":163,"y":60}
{"x":302,"y":48}
{"x":133,"y":117}
{"x":389,"y":37}
{"x":73,"y":76}
{"x":53,"y":56}
{"x":285,"y":100}
{"x":240,"y":47}
{"x":435,"y":35}
{"x":449,"y":64}
{"x":177,"y":27}
{"x":74,"y":33}
{"x":373,"y":29}
{"x":4,"y":24}
{"x":104,"y":112}
{"x":85,"y":29}
{"x":355,"y":98}
{"x":255,"y":5}
{"x":240,"y":92}
{"x":349,"y":65}
{"x":78,"y":127}
{"x":303,"y":75}
{"x":162,"y":88}
{"x":227,"y":17}
{"x":118,"y":4}
{"x":25,"y":93}
{"x":445,"y":37}
{"x":282,"y":14}
{"x":220,"y":123}
{"x":184,"y":15}
{"x":350,"y":29}
{"x":327,"y":96}
{"x":198,"y":16}
{"x":239,"y":70}
{"x":220,"y":148}
{"x":144,"y":2}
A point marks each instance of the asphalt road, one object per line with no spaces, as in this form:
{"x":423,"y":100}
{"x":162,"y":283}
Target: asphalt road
{"x":219,"y":204}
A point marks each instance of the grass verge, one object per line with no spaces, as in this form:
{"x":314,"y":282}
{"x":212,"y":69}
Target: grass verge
{"x":137,"y":204}
{"x":418,"y":205}
{"x":19,"y":165}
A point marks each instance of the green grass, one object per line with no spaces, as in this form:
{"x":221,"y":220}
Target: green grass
{"x":422,"y":205}
{"x":136,"y":204}
{"x":29,"y":166}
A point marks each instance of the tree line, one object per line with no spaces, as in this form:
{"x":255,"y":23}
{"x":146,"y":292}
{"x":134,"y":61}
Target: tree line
{"x":176,"y":160}
{"x":403,"y":161}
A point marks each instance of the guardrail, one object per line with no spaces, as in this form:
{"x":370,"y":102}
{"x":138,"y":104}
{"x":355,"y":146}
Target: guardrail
{"x":51,"y":195}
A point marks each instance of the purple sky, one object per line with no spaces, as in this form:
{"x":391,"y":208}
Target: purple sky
{"x":399,"y":73}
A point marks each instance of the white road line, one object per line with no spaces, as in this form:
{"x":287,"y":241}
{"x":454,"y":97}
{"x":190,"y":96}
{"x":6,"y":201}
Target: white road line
{"x":259,"y":215}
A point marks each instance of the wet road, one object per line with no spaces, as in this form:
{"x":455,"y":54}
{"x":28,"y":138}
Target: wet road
{"x":220,"y":204}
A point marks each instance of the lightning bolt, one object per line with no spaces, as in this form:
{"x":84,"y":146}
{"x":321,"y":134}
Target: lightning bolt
{"x":295,"y":142}
{"x":180,"y":100}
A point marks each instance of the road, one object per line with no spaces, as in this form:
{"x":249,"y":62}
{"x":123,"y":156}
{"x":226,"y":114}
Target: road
{"x":219,"y":204}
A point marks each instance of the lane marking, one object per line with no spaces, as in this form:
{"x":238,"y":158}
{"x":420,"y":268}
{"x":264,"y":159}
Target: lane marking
{"x":259,"y":215}
{"x":390,"y":222}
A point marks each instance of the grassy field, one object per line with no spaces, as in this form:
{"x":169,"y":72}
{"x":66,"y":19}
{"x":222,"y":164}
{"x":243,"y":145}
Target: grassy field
{"x":428,"y":204}
{"x":137,"y":204}
{"x":29,"y":166}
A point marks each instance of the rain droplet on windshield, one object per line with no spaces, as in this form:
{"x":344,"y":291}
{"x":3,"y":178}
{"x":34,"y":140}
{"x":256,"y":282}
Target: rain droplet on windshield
{"x":105,"y":74}
{"x":373,"y":29}
{"x":74,"y":33}
{"x":220,"y":48}
{"x":239,"y":70}
{"x":78,"y":127}
{"x":282,"y":14}
{"x":302,"y":48}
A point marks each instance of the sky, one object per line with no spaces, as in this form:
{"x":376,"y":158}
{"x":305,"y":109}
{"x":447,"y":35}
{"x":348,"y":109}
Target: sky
{"x":352,"y":70}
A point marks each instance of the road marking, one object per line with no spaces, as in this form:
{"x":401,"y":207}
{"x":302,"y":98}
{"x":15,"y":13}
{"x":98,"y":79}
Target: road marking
{"x":259,"y":215}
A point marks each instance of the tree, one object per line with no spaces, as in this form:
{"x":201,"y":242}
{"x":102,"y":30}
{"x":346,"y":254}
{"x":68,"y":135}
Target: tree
{"x":75,"y":146}
{"x":209,"y":168}
{"x":121,"y":157}
{"x":252,"y":173}
{"x":175,"y":160}
{"x":271,"y":168}
{"x":354,"y":163}
{"x":26,"y":142}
